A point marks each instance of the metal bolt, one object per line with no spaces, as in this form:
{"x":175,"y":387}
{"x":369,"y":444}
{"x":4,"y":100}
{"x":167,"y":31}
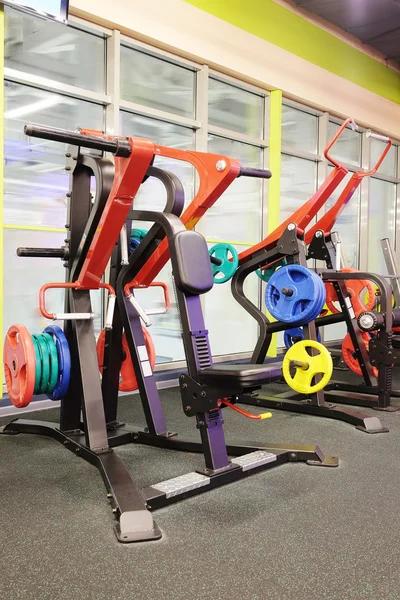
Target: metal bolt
{"x":67,"y":168}
{"x":67,"y":155}
{"x":203,"y":394}
{"x":293,"y":455}
{"x":184,"y":386}
{"x":318,"y":234}
{"x":109,"y":495}
{"x":291,"y":226}
{"x":68,"y":194}
{"x":114,"y":510}
{"x":188,"y":408}
{"x":221,"y":165}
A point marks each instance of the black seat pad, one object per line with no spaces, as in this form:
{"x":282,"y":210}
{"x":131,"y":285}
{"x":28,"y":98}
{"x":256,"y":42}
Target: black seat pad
{"x":241,"y":375}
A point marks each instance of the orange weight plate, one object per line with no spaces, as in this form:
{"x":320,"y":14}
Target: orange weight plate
{"x":128,"y":381}
{"x":355,"y":288}
{"x":19,"y":365}
{"x":348,"y":353}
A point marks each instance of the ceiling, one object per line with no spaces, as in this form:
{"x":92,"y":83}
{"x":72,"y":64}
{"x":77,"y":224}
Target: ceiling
{"x":374,"y":22}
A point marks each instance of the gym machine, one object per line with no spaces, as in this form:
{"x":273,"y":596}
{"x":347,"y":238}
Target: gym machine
{"x":296,"y":246}
{"x":89,"y":425}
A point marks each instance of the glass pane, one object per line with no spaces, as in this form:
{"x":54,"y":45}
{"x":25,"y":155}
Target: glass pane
{"x":224,"y":317}
{"x":298,"y":183}
{"x":54,"y":51}
{"x":237,"y":214}
{"x":166,"y":331}
{"x":381,"y":222}
{"x":35,"y":182}
{"x":299,"y":129}
{"x":388,"y":167}
{"x":23,"y":278}
{"x":235,"y":109}
{"x":348,"y":146}
{"x":157,"y":83}
{"x":348,"y":224}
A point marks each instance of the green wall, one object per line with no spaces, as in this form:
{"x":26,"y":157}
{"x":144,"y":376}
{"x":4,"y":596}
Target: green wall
{"x":280,"y":26}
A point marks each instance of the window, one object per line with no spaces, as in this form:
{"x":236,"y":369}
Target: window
{"x":52,"y":51}
{"x":348,"y":147}
{"x":157,"y":83}
{"x":298,"y":183}
{"x":35,"y":181}
{"x":299,"y":129}
{"x":388,"y":166}
{"x":381,"y":222}
{"x":235,"y":109}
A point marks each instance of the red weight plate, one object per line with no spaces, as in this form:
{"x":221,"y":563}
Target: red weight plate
{"x":19,"y":365}
{"x":331,"y":297}
{"x":355,"y":288}
{"x":128,"y":382}
{"x":348,"y":350}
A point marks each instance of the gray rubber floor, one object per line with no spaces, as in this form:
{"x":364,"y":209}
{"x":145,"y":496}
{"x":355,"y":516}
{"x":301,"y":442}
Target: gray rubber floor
{"x":295,"y":532}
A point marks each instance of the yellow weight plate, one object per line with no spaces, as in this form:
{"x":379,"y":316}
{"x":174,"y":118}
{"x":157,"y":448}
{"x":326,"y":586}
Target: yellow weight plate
{"x":319,"y":364}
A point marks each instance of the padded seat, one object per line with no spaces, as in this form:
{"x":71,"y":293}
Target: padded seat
{"x":241,"y":376}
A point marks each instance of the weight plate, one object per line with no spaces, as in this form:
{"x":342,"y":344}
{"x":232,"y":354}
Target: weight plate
{"x":295,"y":295}
{"x":128,"y":380}
{"x":292,"y":336}
{"x":361,"y":291}
{"x":45,"y":360}
{"x":19,"y":365}
{"x":133,"y":244}
{"x":64,"y":362}
{"x":228,"y":256}
{"x":53,"y":355}
{"x":318,"y":364}
{"x":38,"y":375}
{"x":266,"y":274}
{"x":348,"y":353}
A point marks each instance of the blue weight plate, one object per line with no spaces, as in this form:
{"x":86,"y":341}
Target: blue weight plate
{"x":296,"y":332}
{"x":305,"y":299}
{"x":64,"y":362}
{"x":133,"y":244}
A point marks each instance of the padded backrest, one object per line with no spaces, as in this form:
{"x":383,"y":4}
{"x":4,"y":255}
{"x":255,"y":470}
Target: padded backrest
{"x":191,"y":263}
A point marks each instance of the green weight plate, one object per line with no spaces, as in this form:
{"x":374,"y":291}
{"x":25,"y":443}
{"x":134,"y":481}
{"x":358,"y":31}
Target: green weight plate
{"x":45,"y":360}
{"x":38,"y":375}
{"x":53,"y":377}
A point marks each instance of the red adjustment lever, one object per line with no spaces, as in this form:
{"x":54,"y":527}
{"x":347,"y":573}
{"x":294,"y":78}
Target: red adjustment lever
{"x":259,"y":417}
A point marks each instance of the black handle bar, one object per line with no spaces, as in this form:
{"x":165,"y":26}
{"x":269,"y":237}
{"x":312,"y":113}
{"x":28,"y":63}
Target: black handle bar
{"x":118,"y":146}
{"x":262,"y":173}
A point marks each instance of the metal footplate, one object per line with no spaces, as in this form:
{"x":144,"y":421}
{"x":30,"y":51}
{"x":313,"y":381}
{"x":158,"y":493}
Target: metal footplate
{"x":254,"y":459}
{"x":182,"y":484}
